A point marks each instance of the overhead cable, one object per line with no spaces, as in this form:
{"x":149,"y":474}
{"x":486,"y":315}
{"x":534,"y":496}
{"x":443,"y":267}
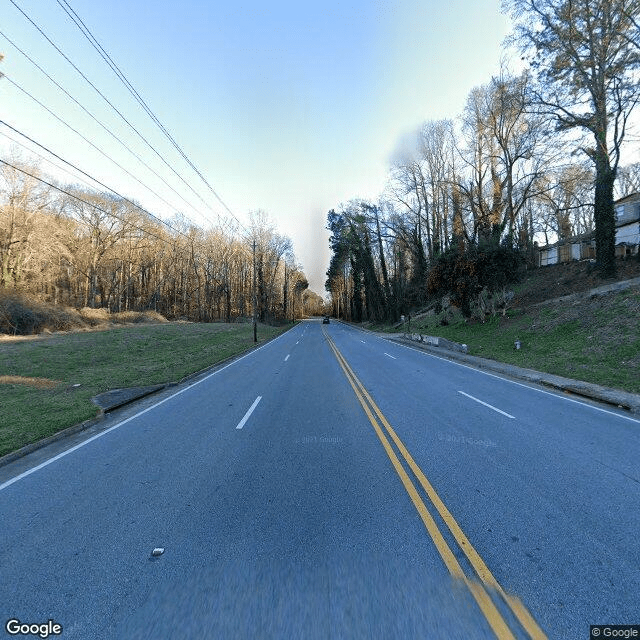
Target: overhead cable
{"x":84,"y":173}
{"x":98,"y":149}
{"x":93,"y":117}
{"x":107,"y":58}
{"x":44,"y":35}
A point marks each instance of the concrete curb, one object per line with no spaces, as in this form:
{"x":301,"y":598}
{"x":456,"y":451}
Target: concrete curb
{"x":65,"y":433}
{"x":116,"y":398}
{"x":615,"y":397}
{"x":122,"y":398}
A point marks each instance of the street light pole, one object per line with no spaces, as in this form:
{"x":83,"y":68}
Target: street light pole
{"x":255,"y":321}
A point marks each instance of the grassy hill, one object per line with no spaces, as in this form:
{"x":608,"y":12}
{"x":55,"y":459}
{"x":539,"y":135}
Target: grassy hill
{"x":595,"y":339}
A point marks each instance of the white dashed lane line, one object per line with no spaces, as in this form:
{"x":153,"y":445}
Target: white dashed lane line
{"x":487,"y":405}
{"x":249,"y":412}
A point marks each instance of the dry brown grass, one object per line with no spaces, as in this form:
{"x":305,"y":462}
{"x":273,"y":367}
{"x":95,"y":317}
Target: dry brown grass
{"x":94,"y":316}
{"x":137,"y":317}
{"x":38,"y":383}
{"x":21,"y":315}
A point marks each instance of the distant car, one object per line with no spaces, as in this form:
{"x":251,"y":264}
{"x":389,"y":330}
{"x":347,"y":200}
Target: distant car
{"x":325,"y":320}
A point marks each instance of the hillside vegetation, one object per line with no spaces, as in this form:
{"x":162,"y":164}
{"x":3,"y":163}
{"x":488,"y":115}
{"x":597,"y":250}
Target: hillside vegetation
{"x":595,"y":338}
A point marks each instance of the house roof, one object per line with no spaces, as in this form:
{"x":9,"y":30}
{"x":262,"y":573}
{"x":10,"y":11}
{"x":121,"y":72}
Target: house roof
{"x":632,"y":197}
{"x":589,"y":235}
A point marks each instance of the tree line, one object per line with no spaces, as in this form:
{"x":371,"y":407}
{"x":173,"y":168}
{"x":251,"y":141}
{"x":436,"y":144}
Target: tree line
{"x":83,"y":248}
{"x":535,"y":155}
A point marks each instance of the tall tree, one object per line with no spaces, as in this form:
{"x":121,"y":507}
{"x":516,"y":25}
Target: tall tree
{"x":586,"y":65}
{"x":22,"y":200}
{"x":271,"y":247}
{"x":351,"y":242}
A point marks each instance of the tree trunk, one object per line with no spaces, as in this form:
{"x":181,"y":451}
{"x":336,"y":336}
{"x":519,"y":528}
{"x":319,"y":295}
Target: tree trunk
{"x":383,"y":262}
{"x":604,"y":216}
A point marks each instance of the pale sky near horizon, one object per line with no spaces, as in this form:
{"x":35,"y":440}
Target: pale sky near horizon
{"x":288,"y":107}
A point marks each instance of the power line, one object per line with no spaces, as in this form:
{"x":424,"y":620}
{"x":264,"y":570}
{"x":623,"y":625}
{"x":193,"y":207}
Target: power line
{"x":114,"y":67}
{"x":107,"y":58}
{"x":113,"y":135}
{"x":220,"y":219}
{"x":84,"y":173}
{"x":98,"y":149}
{"x":42,"y":157}
{"x":44,"y":35}
{"x":138,"y":98}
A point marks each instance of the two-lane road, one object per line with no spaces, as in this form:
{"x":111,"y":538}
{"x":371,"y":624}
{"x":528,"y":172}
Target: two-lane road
{"x":283,"y":514}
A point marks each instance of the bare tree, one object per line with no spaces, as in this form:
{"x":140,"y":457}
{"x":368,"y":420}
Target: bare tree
{"x":505,"y":158}
{"x":628,"y":180}
{"x":436,"y":155}
{"x":24,"y":199}
{"x":106,"y":223}
{"x":584,"y":59}
{"x":271,"y":247}
{"x":79,"y":247}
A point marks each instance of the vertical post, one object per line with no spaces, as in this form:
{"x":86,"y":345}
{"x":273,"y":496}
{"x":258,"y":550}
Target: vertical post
{"x":255,"y":321}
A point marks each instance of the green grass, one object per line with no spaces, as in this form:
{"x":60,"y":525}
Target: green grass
{"x":597,"y":341}
{"x":99,"y":361}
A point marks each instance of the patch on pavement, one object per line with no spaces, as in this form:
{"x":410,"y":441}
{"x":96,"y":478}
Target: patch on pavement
{"x":118,"y":397}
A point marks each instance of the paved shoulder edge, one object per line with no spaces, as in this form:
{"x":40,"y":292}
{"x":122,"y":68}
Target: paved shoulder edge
{"x":141,"y":394}
{"x":615,"y":397}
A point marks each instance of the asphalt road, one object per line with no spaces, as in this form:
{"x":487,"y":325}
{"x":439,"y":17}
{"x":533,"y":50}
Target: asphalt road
{"x":332,"y":484}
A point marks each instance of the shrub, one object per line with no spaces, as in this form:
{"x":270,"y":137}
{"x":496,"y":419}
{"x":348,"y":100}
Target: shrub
{"x":464,"y":275}
{"x":94,"y":317}
{"x":22,"y":315}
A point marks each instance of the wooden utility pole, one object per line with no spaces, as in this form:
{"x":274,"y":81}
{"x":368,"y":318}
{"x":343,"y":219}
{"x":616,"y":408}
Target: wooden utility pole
{"x":255,"y":320}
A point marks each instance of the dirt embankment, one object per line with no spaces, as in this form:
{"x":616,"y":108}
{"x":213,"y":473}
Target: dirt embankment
{"x":555,"y":281}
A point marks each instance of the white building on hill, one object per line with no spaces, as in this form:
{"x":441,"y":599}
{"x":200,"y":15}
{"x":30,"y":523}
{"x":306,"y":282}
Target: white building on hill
{"x":584,"y":247}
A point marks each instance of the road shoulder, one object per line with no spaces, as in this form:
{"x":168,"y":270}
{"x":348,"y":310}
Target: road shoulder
{"x":612,"y":397}
{"x":113,"y":407}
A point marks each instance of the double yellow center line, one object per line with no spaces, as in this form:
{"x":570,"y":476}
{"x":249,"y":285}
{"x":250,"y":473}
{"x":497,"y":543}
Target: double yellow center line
{"x":483,"y":583}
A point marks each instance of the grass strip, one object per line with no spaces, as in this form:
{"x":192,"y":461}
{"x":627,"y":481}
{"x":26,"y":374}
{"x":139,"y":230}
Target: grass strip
{"x":98,"y":361}
{"x":595,"y":339}
{"x":600,"y":346}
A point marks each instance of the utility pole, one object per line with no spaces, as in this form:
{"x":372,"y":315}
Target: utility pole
{"x":255,"y":320}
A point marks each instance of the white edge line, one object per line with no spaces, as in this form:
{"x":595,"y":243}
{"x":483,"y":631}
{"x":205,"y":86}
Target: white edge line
{"x":388,"y":354}
{"x":487,"y":405}
{"x":520,"y":384}
{"x":249,"y":412}
{"x":46,"y":463}
{"x":558,"y":395}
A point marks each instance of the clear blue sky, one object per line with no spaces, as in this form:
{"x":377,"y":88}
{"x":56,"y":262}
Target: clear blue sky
{"x":289,"y":107}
